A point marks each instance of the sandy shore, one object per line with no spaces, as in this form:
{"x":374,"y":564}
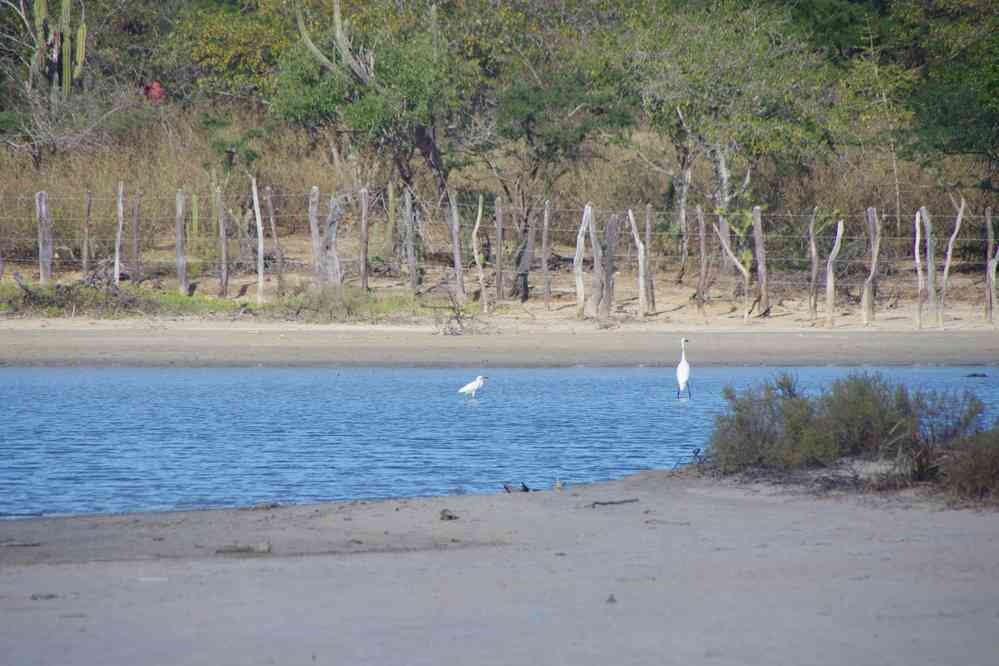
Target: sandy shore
{"x":684,"y":571}
{"x":508,"y":342}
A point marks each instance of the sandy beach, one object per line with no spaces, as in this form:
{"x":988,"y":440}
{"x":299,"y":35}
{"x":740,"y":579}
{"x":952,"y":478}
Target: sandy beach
{"x":652,"y":569}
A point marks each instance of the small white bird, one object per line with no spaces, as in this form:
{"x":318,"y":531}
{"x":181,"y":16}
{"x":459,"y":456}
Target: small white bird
{"x":473,"y":386}
{"x":683,"y":371}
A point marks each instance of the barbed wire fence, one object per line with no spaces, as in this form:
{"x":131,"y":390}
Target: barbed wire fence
{"x":85,"y":230}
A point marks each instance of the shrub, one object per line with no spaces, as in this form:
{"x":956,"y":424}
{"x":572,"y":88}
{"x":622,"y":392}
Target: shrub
{"x":971,"y":468}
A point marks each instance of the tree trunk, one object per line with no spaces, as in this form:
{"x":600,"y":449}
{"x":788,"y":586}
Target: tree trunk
{"x":742,"y":269}
{"x":722,"y":196}
{"x":317,"y":239}
{"x":223,"y":245}
{"x":181,"y":244}
{"x":526,"y":259}
{"x":459,"y":270}
{"x":990,"y":268}
{"x":917,"y":251}
{"x":761,"y":262}
{"x":831,"y":276}
{"x":278,"y":252}
{"x":260,"y":240}
{"x":700,"y":297}
{"x":874,"y":250}
{"x":477,"y":253}
{"x":390,"y":247}
{"x":931,"y":266}
{"x":44,"y":220}
{"x":643,"y":291}
{"x":597,"y":289}
{"x":498,"y":252}
{"x":86,"y":232}
{"x":136,"y":241}
{"x":119,"y":232}
{"x":546,"y":254}
{"x":410,"y":221}
{"x":650,"y":281}
{"x":681,"y":200}
{"x":334,"y":273}
{"x":364,"y":238}
{"x":947,"y":260}
{"x":577,"y":263}
{"x":813,"y":253}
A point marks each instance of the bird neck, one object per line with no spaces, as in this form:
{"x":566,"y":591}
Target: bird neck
{"x":683,"y":351}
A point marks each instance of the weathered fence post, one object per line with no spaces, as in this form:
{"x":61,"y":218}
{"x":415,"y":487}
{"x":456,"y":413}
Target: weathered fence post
{"x":181,"y":245}
{"x":334,"y":272}
{"x":364,"y":238}
{"x":390,"y":246}
{"x":643,"y":290}
{"x":136,"y":240}
{"x":223,"y":245}
{"x":119,"y":232}
{"x":738,"y":265}
{"x":813,"y":253}
{"x":410,"y":220}
{"x":260,"y":240}
{"x":477,"y":252}
{"x":990,"y":268}
{"x":700,"y":295}
{"x":611,"y":235}
{"x":650,"y":280}
{"x":278,"y":252}
{"x":526,"y":259}
{"x":761,"y":262}
{"x":597,"y":290}
{"x":947,"y":260}
{"x":498,"y":252}
{"x":2,"y":242}
{"x":546,"y":255}
{"x":86,"y":231}
{"x":459,"y":273}
{"x":317,"y":241}
{"x":831,"y":276}
{"x":920,"y":280}
{"x":44,"y":220}
{"x":874,"y":247}
{"x":577,"y":263}
{"x":931,"y":266}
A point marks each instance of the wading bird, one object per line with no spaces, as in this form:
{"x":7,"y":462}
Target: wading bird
{"x":683,"y":371}
{"x":471,"y":387}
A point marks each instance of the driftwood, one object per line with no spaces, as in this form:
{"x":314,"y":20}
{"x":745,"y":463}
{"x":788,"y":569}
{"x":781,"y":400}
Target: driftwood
{"x":260,"y":240}
{"x":761,"y":262}
{"x":44,"y":219}
{"x":813,"y":284}
{"x":632,"y":500}
{"x":874,"y":246}
{"x":643,"y":291}
{"x":577,"y":264}
{"x":831,"y":276}
{"x":947,"y":260}
{"x":118,"y":234}
{"x":738,"y":264}
{"x":477,"y":253}
{"x":317,"y":241}
{"x":181,"y":244}
{"x":920,"y":279}
{"x":223,"y":245}
{"x":546,"y":255}
{"x":459,"y":273}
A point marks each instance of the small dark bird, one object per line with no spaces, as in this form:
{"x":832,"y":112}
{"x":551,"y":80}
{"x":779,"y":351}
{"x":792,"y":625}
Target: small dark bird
{"x":524,"y":488}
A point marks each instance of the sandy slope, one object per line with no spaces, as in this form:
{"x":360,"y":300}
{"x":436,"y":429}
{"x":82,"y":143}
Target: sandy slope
{"x":693,"y":572}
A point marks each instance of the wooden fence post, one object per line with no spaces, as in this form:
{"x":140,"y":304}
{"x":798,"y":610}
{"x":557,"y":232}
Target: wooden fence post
{"x":223,"y":245}
{"x":611,"y":236}
{"x":477,"y":252}
{"x":931,"y":266}
{"x":526,"y":259}
{"x":990,"y":268}
{"x":498,"y":252}
{"x":390,"y":246}
{"x":136,"y":245}
{"x":920,"y":280}
{"x":459,"y":273}
{"x":597,"y":289}
{"x":364,"y":238}
{"x":546,"y":255}
{"x":334,"y":273}
{"x":278,"y":252}
{"x":831,"y":276}
{"x":577,"y":263}
{"x":181,"y":244}
{"x":761,"y":262}
{"x":947,"y":260}
{"x":643,"y":291}
{"x":410,"y":221}
{"x":813,"y":253}
{"x":650,"y":280}
{"x":317,"y":241}
{"x":86,"y":231}
{"x":44,"y":220}
{"x":874,"y":247}
{"x":738,"y":265}
{"x":260,"y":240}
{"x":119,"y":233}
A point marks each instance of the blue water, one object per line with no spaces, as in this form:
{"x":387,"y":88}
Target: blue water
{"x":84,"y":440}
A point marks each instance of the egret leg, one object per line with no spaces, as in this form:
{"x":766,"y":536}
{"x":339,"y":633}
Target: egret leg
{"x":689,"y":396}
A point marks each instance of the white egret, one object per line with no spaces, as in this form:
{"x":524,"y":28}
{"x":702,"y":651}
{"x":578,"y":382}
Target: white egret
{"x":471,"y":387}
{"x":683,"y":371}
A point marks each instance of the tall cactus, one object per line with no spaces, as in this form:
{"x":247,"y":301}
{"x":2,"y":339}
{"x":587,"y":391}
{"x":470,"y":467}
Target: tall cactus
{"x":54,"y":52}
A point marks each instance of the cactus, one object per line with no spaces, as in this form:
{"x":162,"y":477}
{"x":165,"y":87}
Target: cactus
{"x":54,"y":52}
